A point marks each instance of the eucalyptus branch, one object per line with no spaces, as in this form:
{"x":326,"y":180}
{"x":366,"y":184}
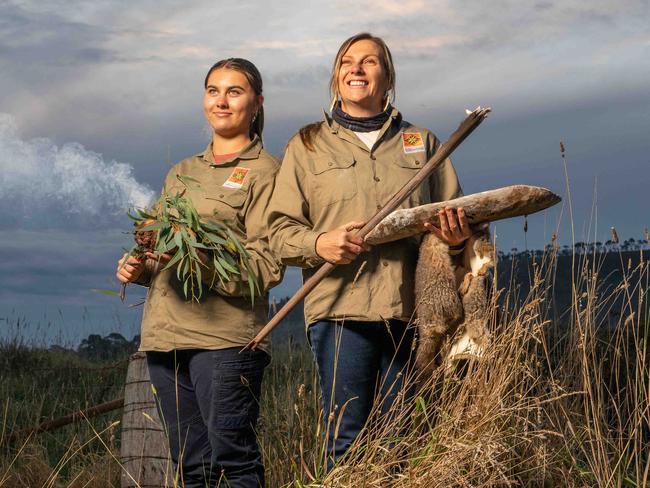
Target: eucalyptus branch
{"x":173,"y":226}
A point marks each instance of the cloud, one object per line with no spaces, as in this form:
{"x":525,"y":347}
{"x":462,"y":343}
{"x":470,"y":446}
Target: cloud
{"x":53,"y":40}
{"x":43,"y":185}
{"x":299,"y":47}
{"x":147,"y":62}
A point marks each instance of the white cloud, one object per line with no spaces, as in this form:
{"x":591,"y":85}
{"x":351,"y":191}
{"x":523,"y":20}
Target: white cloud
{"x":44,"y":185}
{"x":146,"y":62}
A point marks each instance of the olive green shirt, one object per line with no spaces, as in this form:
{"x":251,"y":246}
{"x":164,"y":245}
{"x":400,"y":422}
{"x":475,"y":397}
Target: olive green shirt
{"x":340,"y":181}
{"x":224,"y":317}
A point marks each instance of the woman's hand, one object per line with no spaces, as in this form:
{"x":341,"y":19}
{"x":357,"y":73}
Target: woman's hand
{"x":129,"y":269}
{"x":340,"y":246}
{"x":454,"y":228}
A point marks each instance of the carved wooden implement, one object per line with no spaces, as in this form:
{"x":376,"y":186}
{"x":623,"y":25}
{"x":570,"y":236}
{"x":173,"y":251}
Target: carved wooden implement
{"x":487,"y":206}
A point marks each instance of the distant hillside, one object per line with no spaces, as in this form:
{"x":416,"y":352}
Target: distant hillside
{"x":610,"y":268}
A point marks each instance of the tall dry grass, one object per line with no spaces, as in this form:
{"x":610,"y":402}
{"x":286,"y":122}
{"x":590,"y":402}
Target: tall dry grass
{"x":38,"y":384}
{"x":562,"y":398}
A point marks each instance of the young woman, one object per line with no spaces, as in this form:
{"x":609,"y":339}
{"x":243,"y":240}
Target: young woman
{"x":206,"y":389}
{"x":334,"y":176}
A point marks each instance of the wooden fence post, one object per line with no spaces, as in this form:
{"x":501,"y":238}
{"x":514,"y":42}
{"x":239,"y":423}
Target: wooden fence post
{"x":144,"y":451}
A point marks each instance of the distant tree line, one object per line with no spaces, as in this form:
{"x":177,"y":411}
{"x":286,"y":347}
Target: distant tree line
{"x":112,"y":347}
{"x":627,"y":245}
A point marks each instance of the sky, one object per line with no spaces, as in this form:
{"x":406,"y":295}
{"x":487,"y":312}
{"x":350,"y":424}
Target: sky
{"x":98,"y":99}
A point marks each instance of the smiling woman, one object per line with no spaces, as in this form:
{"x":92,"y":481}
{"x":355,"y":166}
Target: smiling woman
{"x":334,"y":176}
{"x":207,"y":391}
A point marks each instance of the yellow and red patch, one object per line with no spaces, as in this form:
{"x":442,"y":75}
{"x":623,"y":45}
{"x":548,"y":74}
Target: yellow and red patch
{"x":236,"y":178}
{"x":412,"y":142}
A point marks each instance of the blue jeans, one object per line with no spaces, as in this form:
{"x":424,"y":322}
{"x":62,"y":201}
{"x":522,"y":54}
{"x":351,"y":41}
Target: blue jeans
{"x":359,"y":363}
{"x":208,"y":401}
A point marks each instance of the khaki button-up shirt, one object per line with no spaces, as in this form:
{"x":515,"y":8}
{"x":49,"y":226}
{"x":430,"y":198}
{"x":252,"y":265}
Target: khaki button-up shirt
{"x":224,"y":317}
{"x":340,"y":181}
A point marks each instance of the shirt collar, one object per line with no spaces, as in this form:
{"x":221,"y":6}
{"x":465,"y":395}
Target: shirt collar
{"x":393,"y":123}
{"x":251,"y":151}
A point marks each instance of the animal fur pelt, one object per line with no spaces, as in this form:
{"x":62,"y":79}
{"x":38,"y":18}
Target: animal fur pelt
{"x":452,"y":300}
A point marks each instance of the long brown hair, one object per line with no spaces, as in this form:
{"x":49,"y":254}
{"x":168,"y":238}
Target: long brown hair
{"x":308,"y":132}
{"x":254,"y":78}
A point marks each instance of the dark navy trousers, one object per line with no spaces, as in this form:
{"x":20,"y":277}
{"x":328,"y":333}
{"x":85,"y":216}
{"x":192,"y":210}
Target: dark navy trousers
{"x":359,"y":363}
{"x":208,"y":401}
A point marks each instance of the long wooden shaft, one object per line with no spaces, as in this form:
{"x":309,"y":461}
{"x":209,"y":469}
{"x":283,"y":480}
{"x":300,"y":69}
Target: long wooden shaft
{"x":470,"y":123}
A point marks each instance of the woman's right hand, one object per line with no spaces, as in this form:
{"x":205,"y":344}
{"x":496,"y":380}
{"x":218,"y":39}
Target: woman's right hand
{"x":341,"y":246}
{"x":129,"y":269}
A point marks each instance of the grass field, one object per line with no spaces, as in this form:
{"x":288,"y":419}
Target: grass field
{"x":561,"y":399}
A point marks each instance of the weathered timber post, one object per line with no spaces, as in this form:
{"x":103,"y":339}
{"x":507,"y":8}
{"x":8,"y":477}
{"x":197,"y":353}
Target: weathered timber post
{"x":145,"y":451}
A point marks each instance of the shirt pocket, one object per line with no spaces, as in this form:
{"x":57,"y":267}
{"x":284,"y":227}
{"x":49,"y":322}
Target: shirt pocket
{"x":228,"y":204}
{"x":334,"y":178}
{"x":405,"y":169}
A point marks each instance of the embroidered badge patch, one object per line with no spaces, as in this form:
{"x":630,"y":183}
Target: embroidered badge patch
{"x":236,"y":178}
{"x":412,"y":142}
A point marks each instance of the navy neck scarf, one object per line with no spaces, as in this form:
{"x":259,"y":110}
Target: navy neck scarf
{"x":361,"y":124}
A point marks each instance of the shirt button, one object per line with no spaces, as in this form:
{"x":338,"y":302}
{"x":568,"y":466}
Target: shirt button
{"x":373,"y":157}
{"x":377,"y":178}
{"x":384,"y":264}
{"x":378,"y":207}
{"x":221,"y":196}
{"x":417,"y":163}
{"x":163,"y":293}
{"x":330,"y":163}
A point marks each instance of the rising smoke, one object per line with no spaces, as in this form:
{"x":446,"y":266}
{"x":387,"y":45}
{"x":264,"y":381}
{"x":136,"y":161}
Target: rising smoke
{"x":44,"y":186}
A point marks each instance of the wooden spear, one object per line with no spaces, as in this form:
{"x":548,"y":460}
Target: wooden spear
{"x":466,"y":127}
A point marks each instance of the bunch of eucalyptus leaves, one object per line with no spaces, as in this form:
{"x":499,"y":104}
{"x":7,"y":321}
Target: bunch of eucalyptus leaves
{"x":173,"y":227}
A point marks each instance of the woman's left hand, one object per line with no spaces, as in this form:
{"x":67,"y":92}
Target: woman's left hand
{"x":454,"y":228}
